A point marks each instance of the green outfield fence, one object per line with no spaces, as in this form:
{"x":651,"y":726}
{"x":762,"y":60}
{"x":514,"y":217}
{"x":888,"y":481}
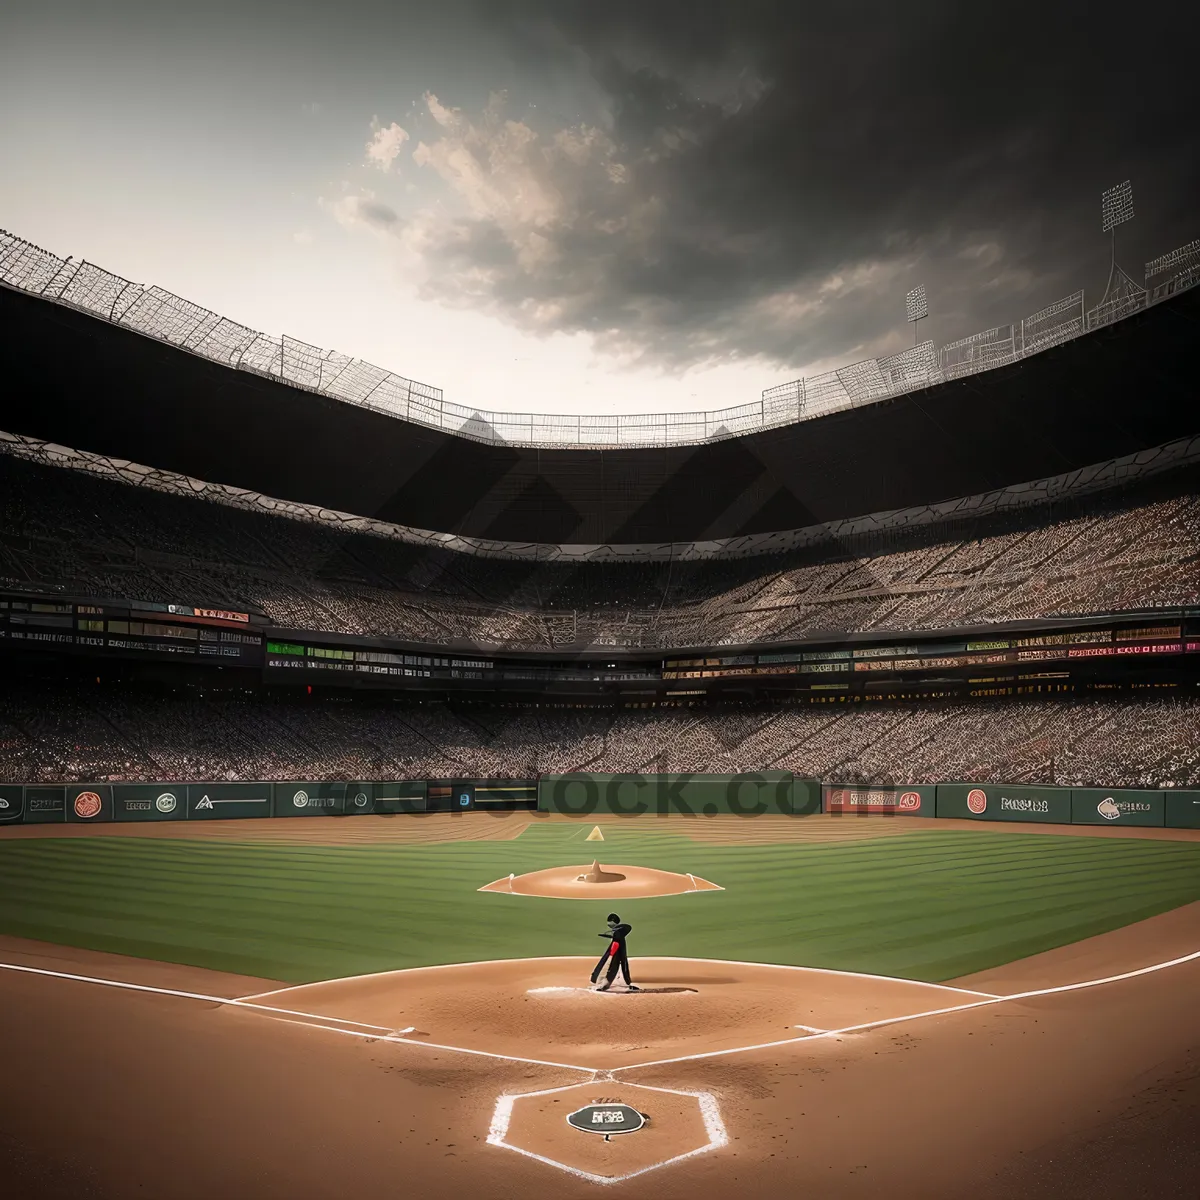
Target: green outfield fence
{"x":584,"y":795}
{"x":750,"y":794}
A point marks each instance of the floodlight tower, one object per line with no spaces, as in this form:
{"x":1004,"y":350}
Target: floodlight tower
{"x":1116,"y":207}
{"x":916,"y":307}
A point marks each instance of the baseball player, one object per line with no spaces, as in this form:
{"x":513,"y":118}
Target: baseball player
{"x":616,"y":956}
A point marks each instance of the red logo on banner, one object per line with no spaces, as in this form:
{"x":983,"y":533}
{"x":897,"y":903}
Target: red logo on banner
{"x":977,"y":800}
{"x":910,"y":800}
{"x":87,"y":805}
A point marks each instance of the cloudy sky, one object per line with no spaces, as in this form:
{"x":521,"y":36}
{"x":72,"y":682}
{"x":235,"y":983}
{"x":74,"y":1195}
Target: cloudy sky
{"x":572,"y":206}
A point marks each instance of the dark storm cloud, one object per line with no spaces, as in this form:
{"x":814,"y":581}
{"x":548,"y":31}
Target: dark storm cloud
{"x":769,"y":179}
{"x":377,"y":214}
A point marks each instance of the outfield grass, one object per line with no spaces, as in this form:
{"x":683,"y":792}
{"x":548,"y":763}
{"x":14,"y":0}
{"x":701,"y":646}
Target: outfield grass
{"x":927,"y":905}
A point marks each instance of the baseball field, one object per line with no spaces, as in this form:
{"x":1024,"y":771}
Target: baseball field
{"x":864,"y":1006}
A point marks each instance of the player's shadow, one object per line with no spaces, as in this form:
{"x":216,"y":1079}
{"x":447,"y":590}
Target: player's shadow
{"x":676,"y":979}
{"x":660,"y":991}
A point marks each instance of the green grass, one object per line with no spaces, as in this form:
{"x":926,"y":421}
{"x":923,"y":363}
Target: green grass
{"x":926,"y":905}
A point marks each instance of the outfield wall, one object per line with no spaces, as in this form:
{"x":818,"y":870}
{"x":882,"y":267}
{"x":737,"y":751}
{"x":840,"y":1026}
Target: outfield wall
{"x":1069,"y":806}
{"x":1004,"y":802}
{"x":93,"y":803}
{"x":583,"y":795}
{"x":752,"y":794}
{"x":863,"y":799}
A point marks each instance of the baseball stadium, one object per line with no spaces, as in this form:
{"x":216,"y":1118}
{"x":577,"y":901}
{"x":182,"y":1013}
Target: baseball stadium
{"x":322,"y":779}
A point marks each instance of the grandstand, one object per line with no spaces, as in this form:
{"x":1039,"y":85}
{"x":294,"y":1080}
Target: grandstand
{"x":1021,"y":600}
{"x":54,"y":732}
{"x":92,"y":535}
{"x":83,"y":548}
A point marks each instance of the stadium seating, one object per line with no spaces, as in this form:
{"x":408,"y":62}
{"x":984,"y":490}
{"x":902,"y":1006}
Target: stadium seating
{"x":54,"y":731}
{"x":88,"y":535}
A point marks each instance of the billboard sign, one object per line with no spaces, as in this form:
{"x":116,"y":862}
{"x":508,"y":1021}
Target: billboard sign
{"x":149,"y":801}
{"x":89,"y":803}
{"x":360,"y":799}
{"x":1112,"y":806}
{"x":884,"y":799}
{"x":220,"y":801}
{"x":1004,"y":802}
{"x":45,"y":804}
{"x":12,"y":803}
{"x":403,"y":796}
{"x":309,"y":799}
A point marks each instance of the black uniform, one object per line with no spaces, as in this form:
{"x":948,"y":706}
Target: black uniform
{"x":616,"y":956}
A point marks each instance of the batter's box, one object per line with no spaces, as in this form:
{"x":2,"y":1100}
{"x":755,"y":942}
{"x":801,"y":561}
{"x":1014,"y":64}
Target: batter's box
{"x":678,"y":1125}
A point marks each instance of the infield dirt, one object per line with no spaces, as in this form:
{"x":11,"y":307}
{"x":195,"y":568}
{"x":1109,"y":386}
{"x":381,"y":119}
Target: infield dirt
{"x":126,"y":1093}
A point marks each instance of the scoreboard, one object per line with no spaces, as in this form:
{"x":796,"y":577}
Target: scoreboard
{"x":131,"y":629}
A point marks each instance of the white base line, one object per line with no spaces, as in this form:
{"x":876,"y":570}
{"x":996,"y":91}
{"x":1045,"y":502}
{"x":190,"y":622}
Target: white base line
{"x":724,"y":962}
{"x":379,"y":1033}
{"x":388,"y":1036}
{"x":934,"y":1012}
{"x":403,"y":1041}
{"x":245,"y":1002}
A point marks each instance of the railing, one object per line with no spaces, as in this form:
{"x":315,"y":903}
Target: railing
{"x":169,"y":318}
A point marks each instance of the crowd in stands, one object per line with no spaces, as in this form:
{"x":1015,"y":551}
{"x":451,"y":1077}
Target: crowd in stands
{"x":85,"y":535}
{"x":54,"y":731}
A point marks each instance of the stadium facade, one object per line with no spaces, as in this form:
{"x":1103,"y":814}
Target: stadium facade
{"x":1095,"y":417}
{"x":1089,"y":389}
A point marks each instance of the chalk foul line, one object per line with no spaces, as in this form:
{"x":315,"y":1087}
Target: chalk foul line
{"x":365,"y":1030}
{"x":657,"y":958}
{"x":361,"y":1029}
{"x":933,"y":1012}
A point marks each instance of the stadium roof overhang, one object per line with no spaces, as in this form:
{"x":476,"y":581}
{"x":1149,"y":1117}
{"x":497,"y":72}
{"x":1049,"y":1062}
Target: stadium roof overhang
{"x":1108,"y":396}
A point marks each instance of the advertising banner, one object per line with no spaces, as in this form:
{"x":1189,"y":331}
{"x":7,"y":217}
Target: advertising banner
{"x":90,"y":803}
{"x":403,"y":796}
{"x":45,"y":804}
{"x":505,"y":793}
{"x":1182,"y":810}
{"x":863,"y":799}
{"x":360,"y":798}
{"x":220,"y":801}
{"x":309,"y":799}
{"x":1004,"y":802}
{"x":747,"y":795}
{"x":12,"y":803}
{"x":449,"y":797}
{"x":1116,"y":806}
{"x":149,"y":801}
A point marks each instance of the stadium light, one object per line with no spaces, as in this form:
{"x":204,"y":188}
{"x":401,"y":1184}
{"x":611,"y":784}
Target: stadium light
{"x":1116,"y":206}
{"x":916,"y":304}
{"x":916,"y":308}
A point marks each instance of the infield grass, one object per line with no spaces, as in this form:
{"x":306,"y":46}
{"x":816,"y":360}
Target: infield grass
{"x":927,"y":905}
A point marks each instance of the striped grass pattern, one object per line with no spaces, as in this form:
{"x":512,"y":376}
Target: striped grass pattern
{"x":924,"y":905}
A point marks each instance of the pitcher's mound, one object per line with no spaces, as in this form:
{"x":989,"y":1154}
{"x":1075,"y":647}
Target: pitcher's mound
{"x":591,"y":882}
{"x":597,"y":874}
